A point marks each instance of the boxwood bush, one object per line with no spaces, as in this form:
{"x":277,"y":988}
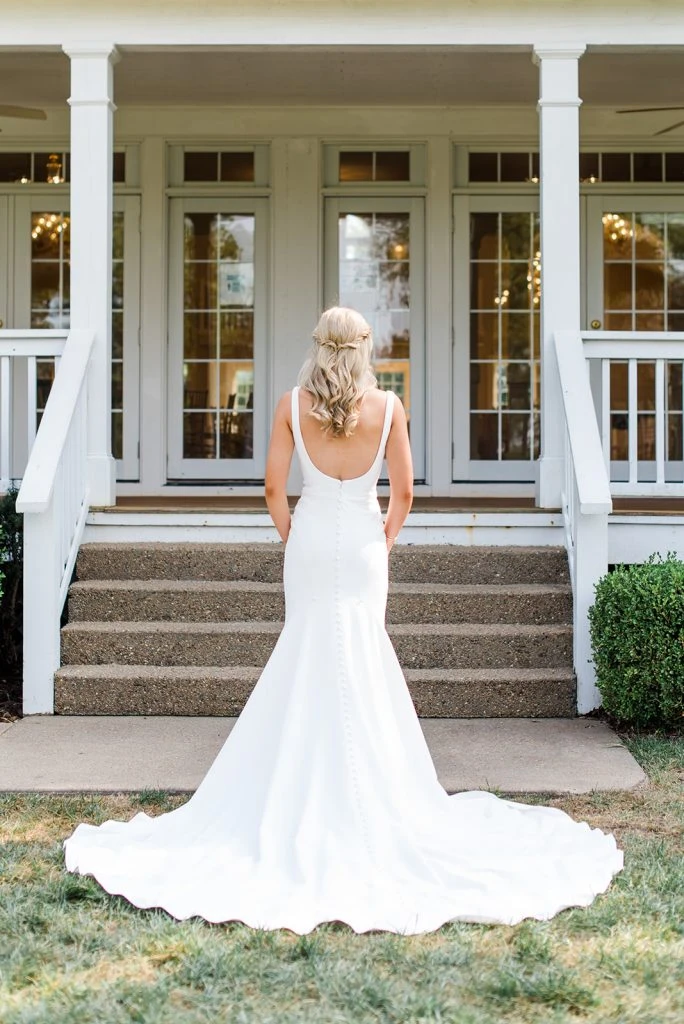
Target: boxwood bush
{"x":637,"y":639}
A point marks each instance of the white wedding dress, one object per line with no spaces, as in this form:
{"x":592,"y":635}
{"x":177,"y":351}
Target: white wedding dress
{"x":323,"y":803}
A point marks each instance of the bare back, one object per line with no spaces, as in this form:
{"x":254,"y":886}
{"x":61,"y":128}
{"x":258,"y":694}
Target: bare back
{"x":344,"y":457}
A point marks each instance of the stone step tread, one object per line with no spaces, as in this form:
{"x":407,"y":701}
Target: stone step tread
{"x":455,"y":629}
{"x":249,"y":672}
{"x":159,"y":545}
{"x":221,"y":586}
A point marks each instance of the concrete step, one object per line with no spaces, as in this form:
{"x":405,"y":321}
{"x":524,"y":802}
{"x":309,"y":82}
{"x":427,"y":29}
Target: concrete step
{"x":214,"y":690}
{"x":408,"y":563}
{"x":418,"y":645}
{"x":95,"y":600}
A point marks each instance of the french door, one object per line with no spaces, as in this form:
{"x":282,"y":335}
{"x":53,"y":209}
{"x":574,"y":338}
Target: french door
{"x":218,"y":323}
{"x":375,"y":263}
{"x":496,"y":309}
{"x":635,"y":282}
{"x":37,"y":240}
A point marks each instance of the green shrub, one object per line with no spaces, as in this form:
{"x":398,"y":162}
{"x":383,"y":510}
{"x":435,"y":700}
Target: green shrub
{"x":637,"y":640}
{"x":11,"y":561}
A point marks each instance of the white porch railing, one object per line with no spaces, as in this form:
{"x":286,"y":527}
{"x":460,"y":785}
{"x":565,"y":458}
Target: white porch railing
{"x":54,"y":500}
{"x":655,"y":474}
{"x":586,"y":502}
{"x":19,"y":355}
{"x":584,"y":358}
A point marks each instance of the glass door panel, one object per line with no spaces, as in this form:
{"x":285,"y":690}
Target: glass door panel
{"x":42,"y":300}
{"x":375,"y":263}
{"x":636,"y":283}
{"x":218,"y":328}
{"x":497,"y":299}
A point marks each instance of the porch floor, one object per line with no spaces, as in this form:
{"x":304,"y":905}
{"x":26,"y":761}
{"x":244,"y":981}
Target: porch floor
{"x":239,"y":503}
{"x":45,"y":753}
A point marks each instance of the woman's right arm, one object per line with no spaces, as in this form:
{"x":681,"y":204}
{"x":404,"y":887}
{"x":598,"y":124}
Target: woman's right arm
{"x":400,"y":469}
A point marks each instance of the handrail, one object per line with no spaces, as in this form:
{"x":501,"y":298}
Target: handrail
{"x":38,"y":481}
{"x":54,"y":497}
{"x":593,"y":484}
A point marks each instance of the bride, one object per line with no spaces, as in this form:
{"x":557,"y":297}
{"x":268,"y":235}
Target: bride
{"x":323,"y":803}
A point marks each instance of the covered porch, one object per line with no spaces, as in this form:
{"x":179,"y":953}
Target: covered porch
{"x":202,"y":220}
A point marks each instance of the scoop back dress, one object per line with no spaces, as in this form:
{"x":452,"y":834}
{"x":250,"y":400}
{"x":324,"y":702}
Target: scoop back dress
{"x":323,"y":803}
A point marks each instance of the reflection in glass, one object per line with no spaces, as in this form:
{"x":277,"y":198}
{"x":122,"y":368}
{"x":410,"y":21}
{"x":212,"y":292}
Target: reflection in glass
{"x":374,"y":277}
{"x":505,"y":294}
{"x":218,"y":330}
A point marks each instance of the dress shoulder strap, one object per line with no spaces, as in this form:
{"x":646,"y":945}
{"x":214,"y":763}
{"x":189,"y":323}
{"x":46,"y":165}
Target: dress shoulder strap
{"x":387,"y":423}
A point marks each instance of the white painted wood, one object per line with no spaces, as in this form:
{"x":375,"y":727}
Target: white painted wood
{"x":6,"y":421}
{"x":440,"y":339}
{"x":632,"y":417}
{"x":585,"y":443}
{"x":586,"y":503}
{"x":61,"y":411}
{"x":54,"y":500}
{"x":635,"y":476}
{"x":297,"y":292}
{"x":180,"y":468}
{"x":479,"y":23}
{"x":465,"y":468}
{"x":632,"y":538}
{"x":560,"y":243}
{"x":41,"y":611}
{"x":590,"y":563}
{"x":92,"y":109}
{"x":153,"y":317}
{"x":128,"y":467}
{"x":464,"y":528}
{"x":660,"y":420}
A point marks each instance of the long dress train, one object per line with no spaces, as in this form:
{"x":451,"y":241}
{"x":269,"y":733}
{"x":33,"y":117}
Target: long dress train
{"x":323,"y":803}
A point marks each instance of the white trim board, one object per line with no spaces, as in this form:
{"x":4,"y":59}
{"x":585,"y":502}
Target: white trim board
{"x":466,"y":528}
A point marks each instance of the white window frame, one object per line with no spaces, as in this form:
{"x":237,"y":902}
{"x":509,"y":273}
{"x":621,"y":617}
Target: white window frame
{"x":465,"y":469}
{"x":128,"y":467}
{"x":415,"y":207}
{"x":597,"y":205}
{"x":220,"y":470}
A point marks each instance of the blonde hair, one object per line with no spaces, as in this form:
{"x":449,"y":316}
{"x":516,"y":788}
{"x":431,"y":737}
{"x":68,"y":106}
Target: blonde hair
{"x":337,"y":370}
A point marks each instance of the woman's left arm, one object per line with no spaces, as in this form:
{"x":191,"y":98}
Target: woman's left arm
{"x":278,"y":462}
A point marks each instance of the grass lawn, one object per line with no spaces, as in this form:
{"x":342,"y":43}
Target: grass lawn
{"x":72,"y":954}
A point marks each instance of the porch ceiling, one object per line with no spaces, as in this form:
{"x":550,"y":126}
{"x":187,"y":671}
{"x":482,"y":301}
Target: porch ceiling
{"x":406,"y":76}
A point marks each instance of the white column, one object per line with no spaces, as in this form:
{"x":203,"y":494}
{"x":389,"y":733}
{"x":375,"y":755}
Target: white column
{"x":92,"y":136}
{"x":558,"y":108}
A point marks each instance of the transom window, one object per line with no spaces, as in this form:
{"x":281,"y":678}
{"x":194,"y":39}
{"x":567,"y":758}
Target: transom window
{"x":50,"y":168}
{"x":503,"y":166}
{"x":373,"y":166}
{"x":238,"y":165}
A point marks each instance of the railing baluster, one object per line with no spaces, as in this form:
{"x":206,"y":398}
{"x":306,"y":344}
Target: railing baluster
{"x":660,"y":420}
{"x":633,"y":448}
{"x":605,"y":412}
{"x":6,"y":423}
{"x":31,"y":399}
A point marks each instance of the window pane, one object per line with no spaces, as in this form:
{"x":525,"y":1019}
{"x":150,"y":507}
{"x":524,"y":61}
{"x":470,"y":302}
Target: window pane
{"x":15,"y":166}
{"x":482,"y":167}
{"x":200,"y":166}
{"x":218,"y":335}
{"x":356,"y":166}
{"x":392,"y":166}
{"x":615,"y":166}
{"x":515,"y":166}
{"x":374,"y":278}
{"x":237,"y":166}
{"x":648,"y":167}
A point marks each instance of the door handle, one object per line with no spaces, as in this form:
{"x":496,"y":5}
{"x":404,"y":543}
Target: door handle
{"x":595,"y":324}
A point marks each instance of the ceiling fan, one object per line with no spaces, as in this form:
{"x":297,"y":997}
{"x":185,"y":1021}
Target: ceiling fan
{"x":643,"y":110}
{"x":33,"y":112}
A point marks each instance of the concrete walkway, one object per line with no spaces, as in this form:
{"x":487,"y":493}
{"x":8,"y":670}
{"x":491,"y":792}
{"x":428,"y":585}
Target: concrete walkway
{"x":109,"y":755}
